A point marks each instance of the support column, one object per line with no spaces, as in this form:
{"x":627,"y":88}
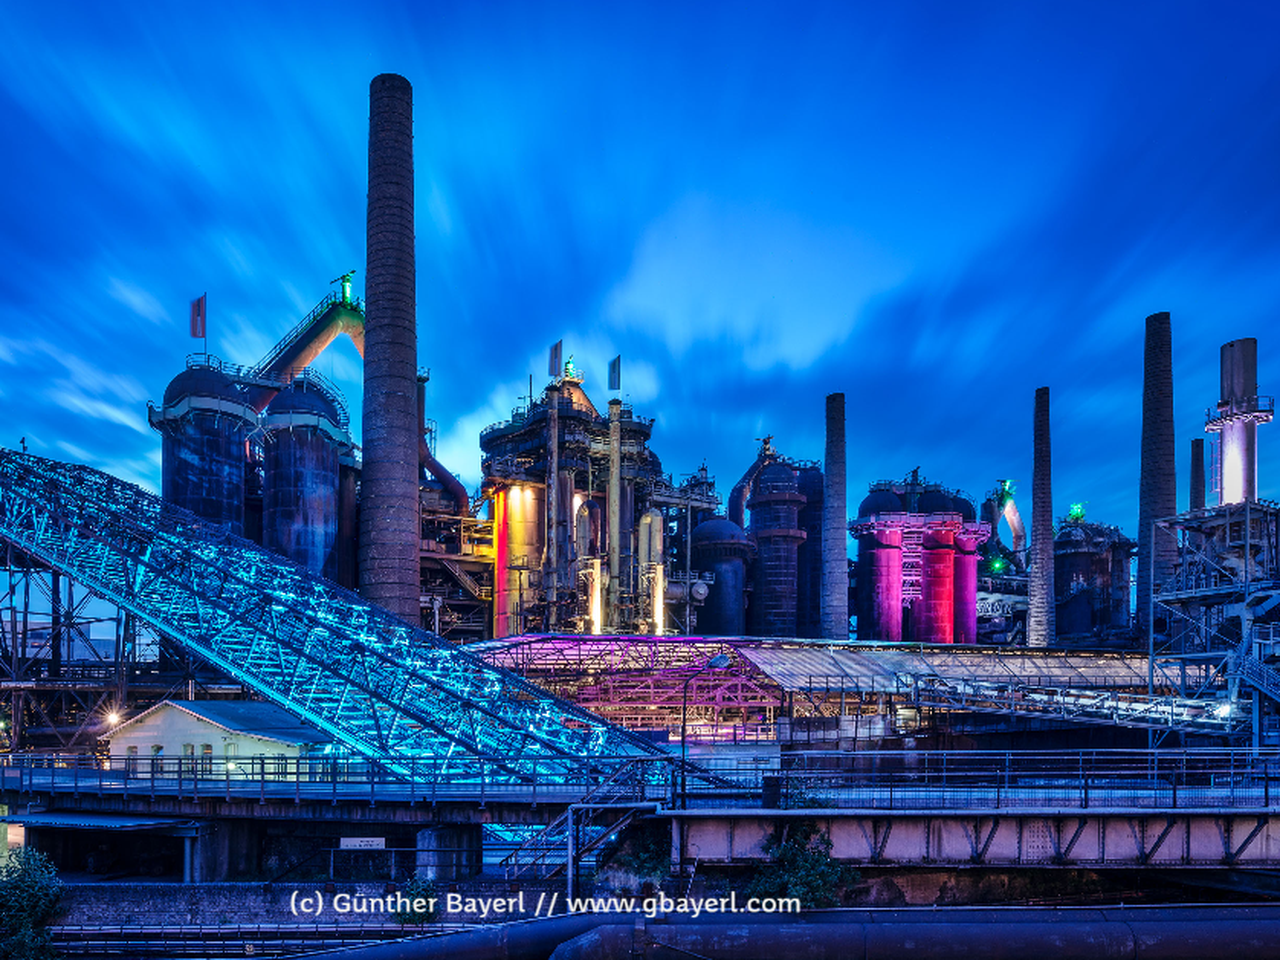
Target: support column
{"x":450,"y":852}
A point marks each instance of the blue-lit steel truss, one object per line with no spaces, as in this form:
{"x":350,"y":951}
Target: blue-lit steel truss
{"x":379,"y":686}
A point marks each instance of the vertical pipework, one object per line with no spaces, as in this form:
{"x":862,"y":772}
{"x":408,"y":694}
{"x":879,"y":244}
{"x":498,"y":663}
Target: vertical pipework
{"x":553,"y":500}
{"x":615,"y":511}
{"x":1158,"y":483}
{"x":1197,"y":474}
{"x":390,"y":533}
{"x":1040,"y":612}
{"x":835,"y":554}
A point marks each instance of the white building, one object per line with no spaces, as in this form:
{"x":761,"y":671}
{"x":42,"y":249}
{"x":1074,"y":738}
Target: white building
{"x":216,"y":735}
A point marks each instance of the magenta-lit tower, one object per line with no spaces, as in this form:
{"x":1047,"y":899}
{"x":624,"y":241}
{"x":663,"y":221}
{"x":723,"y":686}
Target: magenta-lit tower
{"x":1239,"y":412}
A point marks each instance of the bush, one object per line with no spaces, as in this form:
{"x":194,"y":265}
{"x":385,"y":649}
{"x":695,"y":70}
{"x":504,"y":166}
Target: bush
{"x":418,"y":889}
{"x":643,"y":849}
{"x":801,"y":866}
{"x":29,"y":894}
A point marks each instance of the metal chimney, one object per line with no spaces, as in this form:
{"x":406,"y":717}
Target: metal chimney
{"x":1158,"y":483}
{"x":1041,"y":627}
{"x":1240,"y":410}
{"x":390,"y":525}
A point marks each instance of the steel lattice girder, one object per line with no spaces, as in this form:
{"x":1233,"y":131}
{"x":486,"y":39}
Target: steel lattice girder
{"x":376,"y":684}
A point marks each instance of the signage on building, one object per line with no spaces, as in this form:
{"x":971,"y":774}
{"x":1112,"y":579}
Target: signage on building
{"x":362,"y":843}
{"x":993,"y":605}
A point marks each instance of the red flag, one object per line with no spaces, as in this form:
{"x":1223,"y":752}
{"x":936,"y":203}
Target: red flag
{"x":197,"y":316}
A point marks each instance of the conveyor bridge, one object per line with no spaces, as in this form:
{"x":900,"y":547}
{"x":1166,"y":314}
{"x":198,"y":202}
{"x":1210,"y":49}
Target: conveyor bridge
{"x":381,"y":687}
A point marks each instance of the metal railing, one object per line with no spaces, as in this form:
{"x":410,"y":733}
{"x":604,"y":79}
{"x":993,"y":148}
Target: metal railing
{"x":347,"y":778}
{"x":993,"y":780}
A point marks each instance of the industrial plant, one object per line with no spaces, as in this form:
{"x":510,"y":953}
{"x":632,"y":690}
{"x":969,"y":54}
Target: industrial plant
{"x":317,"y":634}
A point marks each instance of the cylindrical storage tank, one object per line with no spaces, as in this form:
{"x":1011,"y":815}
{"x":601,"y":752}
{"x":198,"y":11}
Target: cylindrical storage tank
{"x":519,"y":519}
{"x":809,"y":554}
{"x":934,"y":614}
{"x":880,"y":568}
{"x":721,"y":547}
{"x":965,"y":601}
{"x":204,"y":421}
{"x":1121,"y":589}
{"x":1073,"y":570}
{"x":775,"y":508}
{"x":300,"y":477}
{"x":879,"y":594}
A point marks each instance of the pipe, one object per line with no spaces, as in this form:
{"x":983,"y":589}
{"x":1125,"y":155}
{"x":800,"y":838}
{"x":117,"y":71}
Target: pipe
{"x":553,"y":501}
{"x":1040,"y":613}
{"x":741,"y":493}
{"x":300,"y":347}
{"x":1158,"y":482}
{"x":615,"y":511}
{"x":835,"y":520}
{"x":390,"y":517}
{"x":452,"y":485}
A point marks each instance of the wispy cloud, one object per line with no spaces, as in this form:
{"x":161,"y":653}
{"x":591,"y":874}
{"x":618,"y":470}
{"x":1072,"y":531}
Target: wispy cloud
{"x":783,"y":289}
{"x":138,"y":300}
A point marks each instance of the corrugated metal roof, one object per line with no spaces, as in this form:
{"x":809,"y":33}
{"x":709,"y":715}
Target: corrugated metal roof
{"x":878,"y":671}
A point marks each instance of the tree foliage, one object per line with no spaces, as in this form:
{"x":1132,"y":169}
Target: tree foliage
{"x":29,"y":894}
{"x":801,"y":866}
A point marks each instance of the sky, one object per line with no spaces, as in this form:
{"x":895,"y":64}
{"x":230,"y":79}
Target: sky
{"x":934,"y":208}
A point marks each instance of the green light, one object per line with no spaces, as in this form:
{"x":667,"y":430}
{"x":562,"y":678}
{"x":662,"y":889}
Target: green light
{"x":1076,"y":513}
{"x":997,"y":564}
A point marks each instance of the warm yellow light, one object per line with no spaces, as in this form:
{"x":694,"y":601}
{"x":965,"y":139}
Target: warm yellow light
{"x":597,"y":614}
{"x":659,"y":593}
{"x":113,"y":718}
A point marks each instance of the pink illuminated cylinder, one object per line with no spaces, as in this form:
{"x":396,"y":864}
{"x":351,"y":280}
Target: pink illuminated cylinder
{"x":966,"y":589}
{"x":936,"y":620}
{"x":886,"y":584}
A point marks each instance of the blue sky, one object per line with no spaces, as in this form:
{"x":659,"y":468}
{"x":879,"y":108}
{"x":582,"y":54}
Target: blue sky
{"x":935,"y":208}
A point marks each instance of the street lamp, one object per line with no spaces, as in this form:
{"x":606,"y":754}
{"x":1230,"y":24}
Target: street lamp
{"x":719,"y":661}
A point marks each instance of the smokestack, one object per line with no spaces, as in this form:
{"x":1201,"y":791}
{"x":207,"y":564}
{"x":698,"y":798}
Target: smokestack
{"x":835,"y":519}
{"x":390,"y":525}
{"x":1158,"y":483}
{"x":1239,"y":414}
{"x":1041,"y":627}
{"x":1197,"y":474}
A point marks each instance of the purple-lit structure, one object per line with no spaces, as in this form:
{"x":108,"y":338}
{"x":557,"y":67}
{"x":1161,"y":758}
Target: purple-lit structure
{"x":918,"y":563}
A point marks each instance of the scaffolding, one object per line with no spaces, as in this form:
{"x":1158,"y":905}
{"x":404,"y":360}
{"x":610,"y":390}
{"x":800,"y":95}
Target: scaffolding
{"x":1215,"y":621}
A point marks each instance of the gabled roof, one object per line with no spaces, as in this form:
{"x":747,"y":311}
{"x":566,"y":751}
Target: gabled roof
{"x":253,"y":718}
